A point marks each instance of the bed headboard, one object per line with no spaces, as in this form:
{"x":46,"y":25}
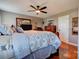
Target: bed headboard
{"x":26,"y":26}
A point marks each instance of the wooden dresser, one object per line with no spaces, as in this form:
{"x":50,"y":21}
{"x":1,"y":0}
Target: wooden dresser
{"x":52,"y":28}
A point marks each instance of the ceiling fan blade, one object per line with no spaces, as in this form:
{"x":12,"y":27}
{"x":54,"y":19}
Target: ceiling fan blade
{"x":32,"y":7}
{"x":43,"y":8}
{"x":30,"y":10}
{"x":43,"y":12}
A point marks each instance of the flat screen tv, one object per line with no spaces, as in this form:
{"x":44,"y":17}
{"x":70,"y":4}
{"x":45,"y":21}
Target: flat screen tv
{"x":26,"y":26}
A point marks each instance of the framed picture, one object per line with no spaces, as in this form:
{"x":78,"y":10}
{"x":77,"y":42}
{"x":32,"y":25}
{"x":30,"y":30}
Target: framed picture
{"x":20,"y":21}
{"x":75,"y":26}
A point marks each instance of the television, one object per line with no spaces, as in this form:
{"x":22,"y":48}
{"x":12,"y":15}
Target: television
{"x":26,"y":26}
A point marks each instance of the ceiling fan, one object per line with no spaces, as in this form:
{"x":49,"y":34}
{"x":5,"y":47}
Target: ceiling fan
{"x":38,"y":9}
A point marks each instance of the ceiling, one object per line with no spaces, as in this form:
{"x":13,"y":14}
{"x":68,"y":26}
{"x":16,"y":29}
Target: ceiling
{"x":22,"y":6}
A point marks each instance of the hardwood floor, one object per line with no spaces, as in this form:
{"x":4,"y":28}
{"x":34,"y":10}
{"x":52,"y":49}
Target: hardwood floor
{"x":66,"y":51}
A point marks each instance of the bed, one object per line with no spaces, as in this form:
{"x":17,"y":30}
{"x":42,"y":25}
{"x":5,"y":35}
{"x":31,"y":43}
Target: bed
{"x":33,"y":44}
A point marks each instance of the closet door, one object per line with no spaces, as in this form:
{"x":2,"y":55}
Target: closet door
{"x":63,"y":27}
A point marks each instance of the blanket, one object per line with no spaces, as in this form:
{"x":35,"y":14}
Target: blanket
{"x":30,"y":41}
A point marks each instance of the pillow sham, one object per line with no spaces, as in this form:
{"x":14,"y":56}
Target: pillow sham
{"x":19,"y":30}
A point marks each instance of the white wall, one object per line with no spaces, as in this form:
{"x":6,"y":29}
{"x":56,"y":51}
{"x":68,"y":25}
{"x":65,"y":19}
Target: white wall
{"x":10,"y":18}
{"x":73,"y":38}
{"x":0,"y":17}
{"x":55,"y":21}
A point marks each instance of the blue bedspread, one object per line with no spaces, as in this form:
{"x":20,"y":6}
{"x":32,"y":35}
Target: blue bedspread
{"x":30,"y":41}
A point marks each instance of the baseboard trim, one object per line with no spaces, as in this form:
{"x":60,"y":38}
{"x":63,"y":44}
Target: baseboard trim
{"x":70,"y":43}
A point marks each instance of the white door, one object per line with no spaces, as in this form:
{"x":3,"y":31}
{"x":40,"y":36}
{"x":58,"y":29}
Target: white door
{"x":63,"y":27}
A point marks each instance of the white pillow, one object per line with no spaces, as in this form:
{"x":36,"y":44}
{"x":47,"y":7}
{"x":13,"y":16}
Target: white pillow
{"x":19,"y":30}
{"x":8,"y":30}
{"x":5,"y":30}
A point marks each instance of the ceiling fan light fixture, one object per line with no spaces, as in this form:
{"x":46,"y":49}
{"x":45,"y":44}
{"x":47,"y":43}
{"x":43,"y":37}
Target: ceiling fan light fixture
{"x":37,"y":11}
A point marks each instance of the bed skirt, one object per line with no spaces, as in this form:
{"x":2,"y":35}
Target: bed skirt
{"x":42,"y":53}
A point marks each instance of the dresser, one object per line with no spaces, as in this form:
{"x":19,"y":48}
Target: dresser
{"x":52,"y":28}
